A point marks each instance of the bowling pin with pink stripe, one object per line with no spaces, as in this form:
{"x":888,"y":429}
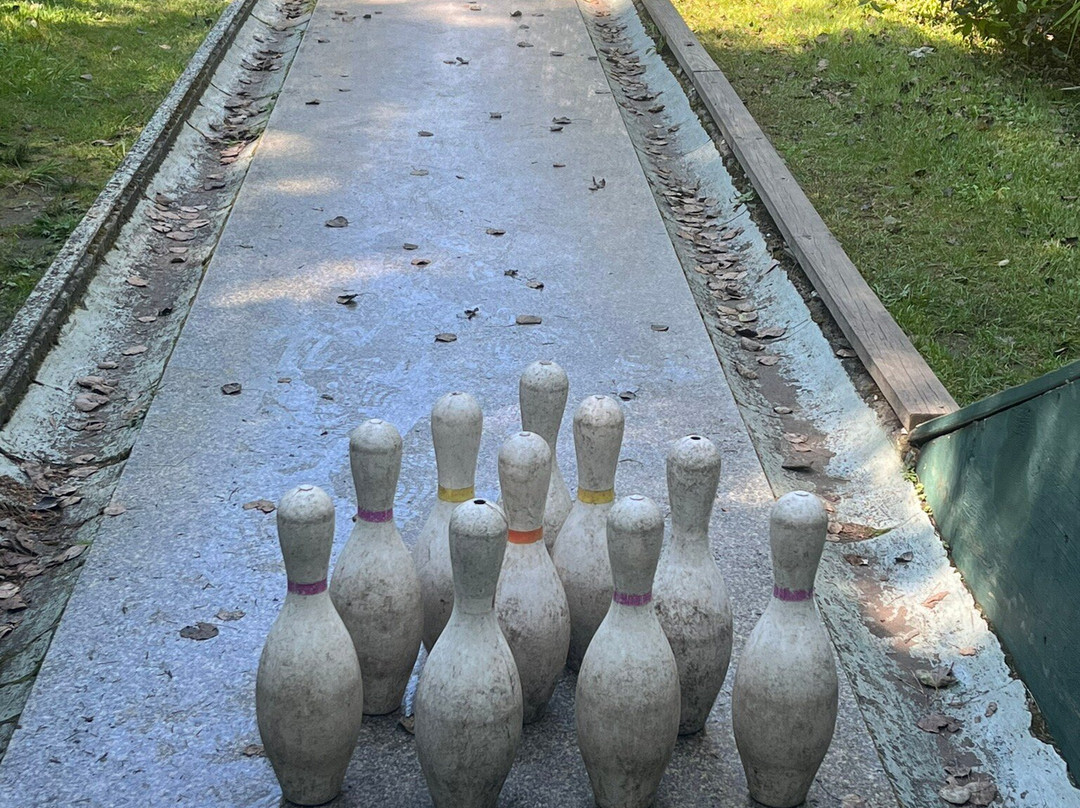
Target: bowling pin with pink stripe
{"x":784,"y":701}
{"x":627,"y":703}
{"x":374,"y":587}
{"x":309,"y":696}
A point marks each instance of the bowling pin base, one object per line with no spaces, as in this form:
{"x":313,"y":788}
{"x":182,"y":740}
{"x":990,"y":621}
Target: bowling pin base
{"x":307,"y":788}
{"x":779,"y":788}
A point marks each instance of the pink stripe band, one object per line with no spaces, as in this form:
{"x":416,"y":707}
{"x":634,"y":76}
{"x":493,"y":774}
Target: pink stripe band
{"x":623,"y":599}
{"x":792,"y":595}
{"x":307,"y":589}
{"x":375,"y":516}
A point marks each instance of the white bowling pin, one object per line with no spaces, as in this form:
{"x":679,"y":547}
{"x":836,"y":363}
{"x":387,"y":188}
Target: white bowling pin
{"x":627,"y":703}
{"x":783,"y":705}
{"x":468,"y":700}
{"x":530,"y":601}
{"x":309,"y":696}
{"x":542,"y":395}
{"x":691,"y":598}
{"x":374,"y":586}
{"x":581,"y":555}
{"x":456,"y":424}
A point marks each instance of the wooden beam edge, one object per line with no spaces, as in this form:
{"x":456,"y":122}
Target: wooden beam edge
{"x":900,"y":371}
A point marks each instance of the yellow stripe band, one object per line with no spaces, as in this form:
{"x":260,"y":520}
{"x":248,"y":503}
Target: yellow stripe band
{"x":456,"y":494}
{"x":596,"y":497}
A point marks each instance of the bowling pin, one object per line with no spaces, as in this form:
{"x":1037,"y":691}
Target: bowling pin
{"x":581,"y":555}
{"x":374,"y":586}
{"x":691,"y":598}
{"x":627,"y":703}
{"x":309,"y":697}
{"x":456,"y":424}
{"x":530,"y":602}
{"x":468,"y":700}
{"x":783,"y":705}
{"x":542,"y":395}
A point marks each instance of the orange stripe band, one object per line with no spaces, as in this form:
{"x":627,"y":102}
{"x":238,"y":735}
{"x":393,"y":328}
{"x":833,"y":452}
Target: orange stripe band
{"x":525,"y":536}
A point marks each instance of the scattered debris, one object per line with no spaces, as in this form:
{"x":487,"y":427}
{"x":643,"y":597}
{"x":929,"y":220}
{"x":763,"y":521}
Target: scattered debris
{"x":337,"y":221}
{"x":199,"y":631}
{"x":231,"y":389}
{"x":261,"y":505}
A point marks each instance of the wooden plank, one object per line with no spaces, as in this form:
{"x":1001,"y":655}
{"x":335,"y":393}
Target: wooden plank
{"x":692,"y":57}
{"x":906,"y":381}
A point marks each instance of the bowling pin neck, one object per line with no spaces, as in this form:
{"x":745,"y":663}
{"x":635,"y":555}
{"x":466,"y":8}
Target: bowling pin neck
{"x":598,"y":434}
{"x":798,"y":526}
{"x":375,"y":457}
{"x":477,"y":546}
{"x":456,"y":426}
{"x":635,"y":531}
{"x":524,"y":474}
{"x":542,"y":395}
{"x":305,"y":525}
{"x":693,"y":473}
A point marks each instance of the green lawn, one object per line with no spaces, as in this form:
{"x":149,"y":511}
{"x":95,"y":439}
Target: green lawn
{"x":951,"y":178}
{"x":78,"y":81}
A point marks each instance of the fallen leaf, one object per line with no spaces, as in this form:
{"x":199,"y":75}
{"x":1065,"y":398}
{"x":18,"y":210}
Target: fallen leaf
{"x":779,"y":409}
{"x":410,"y":246}
{"x":745,"y":372}
{"x":855,"y":560}
{"x":425,"y":133}
{"x":774,"y":332}
{"x":534,"y":284}
{"x":419,"y":172}
{"x":106,"y":365}
{"x":229,"y":617}
{"x":937,"y":723}
{"x":408,"y":722}
{"x":528,"y":319}
{"x":135,"y":280}
{"x":659,"y":327}
{"x":347,"y":299}
{"x":955,"y":795}
{"x":768,"y":360}
{"x":905,"y":558}
{"x":446,"y":337}
{"x":88,"y":402}
{"x":853,"y":801}
{"x":515,"y":13}
{"x":494,"y":231}
{"x":935,"y":599}
{"x":263,"y":505}
{"x":74,"y":551}
{"x":420,"y":262}
{"x":231,"y":389}
{"x":314,"y":102}
{"x":495,"y":116}
{"x":8,"y":590}
{"x":524,"y":44}
{"x":628,"y":395}
{"x":87,"y":77}
{"x":796,"y":464}
{"x":180,"y":235}
{"x":557,"y":53}
{"x":558,"y":165}
{"x":150,"y":318}
{"x":967,"y":650}
{"x":114,"y":509}
{"x":936,"y":678}
{"x":199,"y":631}
{"x":562,"y":120}
{"x":337,"y":221}
{"x":982,"y":793}
{"x":254,"y":750}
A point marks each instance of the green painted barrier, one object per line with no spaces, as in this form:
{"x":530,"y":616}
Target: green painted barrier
{"x":1003,"y":478}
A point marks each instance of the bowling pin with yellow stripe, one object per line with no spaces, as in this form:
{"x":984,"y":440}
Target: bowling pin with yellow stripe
{"x":581,"y":555}
{"x":456,"y":424}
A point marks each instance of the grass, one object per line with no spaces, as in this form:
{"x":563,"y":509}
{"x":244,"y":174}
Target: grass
{"x":950,"y":178}
{"x":78,"y":81}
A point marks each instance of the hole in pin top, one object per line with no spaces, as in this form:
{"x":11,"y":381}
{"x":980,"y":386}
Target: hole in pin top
{"x":637,"y":497}
{"x":479,"y":502}
{"x":695,"y":437}
{"x":306,"y":487}
{"x":545,"y":362}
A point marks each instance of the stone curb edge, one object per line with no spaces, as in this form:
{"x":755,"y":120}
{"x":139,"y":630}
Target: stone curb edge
{"x":38,"y":322}
{"x":907,"y":382}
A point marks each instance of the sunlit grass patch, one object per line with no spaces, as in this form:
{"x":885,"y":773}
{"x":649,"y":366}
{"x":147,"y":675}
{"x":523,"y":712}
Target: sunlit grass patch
{"x":949,"y":174}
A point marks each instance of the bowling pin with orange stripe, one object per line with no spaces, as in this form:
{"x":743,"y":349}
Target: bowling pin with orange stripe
{"x":456,"y":424}
{"x":530,"y":601}
{"x":581,"y":554}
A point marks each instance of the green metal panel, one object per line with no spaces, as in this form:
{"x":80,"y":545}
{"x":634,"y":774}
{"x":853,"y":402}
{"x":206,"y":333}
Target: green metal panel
{"x":1004,"y":484}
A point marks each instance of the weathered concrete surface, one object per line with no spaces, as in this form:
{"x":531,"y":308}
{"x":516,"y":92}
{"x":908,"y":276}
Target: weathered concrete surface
{"x":125,"y":711}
